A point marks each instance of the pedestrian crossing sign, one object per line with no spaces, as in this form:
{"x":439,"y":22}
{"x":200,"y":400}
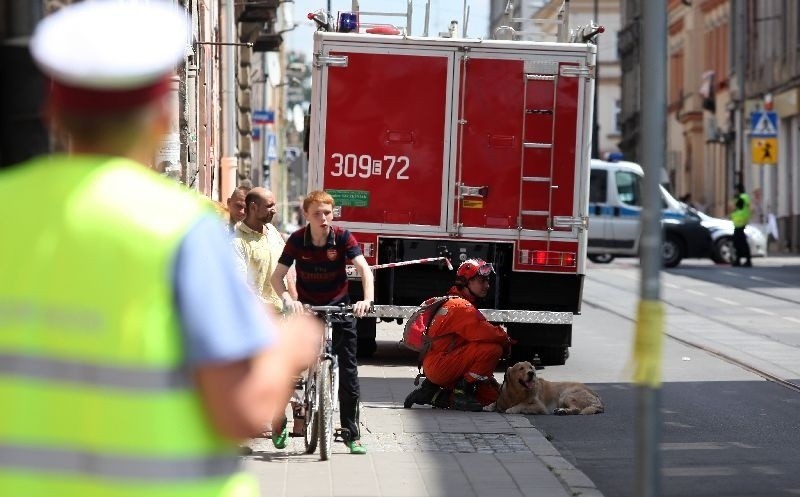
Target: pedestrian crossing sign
{"x":764,"y":150}
{"x":764,"y":124}
{"x":272,"y":149}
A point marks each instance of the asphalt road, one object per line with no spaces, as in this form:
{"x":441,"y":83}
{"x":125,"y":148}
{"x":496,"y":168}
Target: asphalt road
{"x":718,"y":439}
{"x":725,"y":431}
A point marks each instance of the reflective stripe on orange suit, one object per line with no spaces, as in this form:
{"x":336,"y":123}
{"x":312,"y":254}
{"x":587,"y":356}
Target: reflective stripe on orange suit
{"x":463,"y":342}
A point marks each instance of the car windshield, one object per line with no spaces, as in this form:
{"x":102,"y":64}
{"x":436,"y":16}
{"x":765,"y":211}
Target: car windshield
{"x":670,"y":202}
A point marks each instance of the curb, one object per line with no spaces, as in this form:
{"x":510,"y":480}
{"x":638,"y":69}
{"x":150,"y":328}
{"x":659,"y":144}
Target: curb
{"x":574,"y":480}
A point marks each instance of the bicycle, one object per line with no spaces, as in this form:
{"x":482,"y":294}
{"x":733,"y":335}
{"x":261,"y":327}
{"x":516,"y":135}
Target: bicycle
{"x":321,"y":384}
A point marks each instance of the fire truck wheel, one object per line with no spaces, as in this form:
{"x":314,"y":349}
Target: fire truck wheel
{"x":521,"y":353}
{"x":553,"y":356}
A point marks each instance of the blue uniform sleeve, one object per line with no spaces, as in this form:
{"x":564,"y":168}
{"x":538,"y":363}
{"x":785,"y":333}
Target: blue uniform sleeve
{"x":220,"y":318}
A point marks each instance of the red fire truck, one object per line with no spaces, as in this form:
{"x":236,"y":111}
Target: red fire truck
{"x":458,"y":148}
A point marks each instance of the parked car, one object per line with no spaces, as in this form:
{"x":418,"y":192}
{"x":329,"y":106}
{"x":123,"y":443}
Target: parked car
{"x":722,"y":238}
{"x":615,"y":208}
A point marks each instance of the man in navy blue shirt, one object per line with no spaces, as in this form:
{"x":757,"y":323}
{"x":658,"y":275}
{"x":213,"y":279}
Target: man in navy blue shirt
{"x":320,"y":252}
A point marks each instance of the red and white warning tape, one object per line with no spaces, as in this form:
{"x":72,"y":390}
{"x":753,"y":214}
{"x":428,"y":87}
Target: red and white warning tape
{"x":351,"y":270}
{"x":415,"y":261}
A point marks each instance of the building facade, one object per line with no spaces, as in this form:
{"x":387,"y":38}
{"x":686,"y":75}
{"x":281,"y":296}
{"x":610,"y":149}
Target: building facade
{"x":770,"y":64}
{"x":727,"y":59}
{"x":210,"y":143}
{"x":701,"y":113}
{"x":581,"y":12}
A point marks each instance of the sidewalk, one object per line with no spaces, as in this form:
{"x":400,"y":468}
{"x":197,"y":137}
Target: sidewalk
{"x":422,"y":452}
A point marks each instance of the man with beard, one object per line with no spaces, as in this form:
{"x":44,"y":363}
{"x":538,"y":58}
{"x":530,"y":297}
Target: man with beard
{"x":257,"y":245}
{"x":464,"y":347}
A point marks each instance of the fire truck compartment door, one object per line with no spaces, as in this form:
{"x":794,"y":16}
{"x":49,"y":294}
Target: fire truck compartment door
{"x":517,"y":145}
{"x":385,"y":122}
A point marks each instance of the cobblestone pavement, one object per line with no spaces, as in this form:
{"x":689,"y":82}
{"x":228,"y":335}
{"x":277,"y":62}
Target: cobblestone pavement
{"x":420,"y":452}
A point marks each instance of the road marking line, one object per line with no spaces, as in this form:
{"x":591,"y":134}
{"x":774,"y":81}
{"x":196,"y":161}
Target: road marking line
{"x":671,"y":285}
{"x":762,"y":311}
{"x":789,"y":318}
{"x":725,"y":301}
{"x":766,"y":280}
{"x":695,"y":292}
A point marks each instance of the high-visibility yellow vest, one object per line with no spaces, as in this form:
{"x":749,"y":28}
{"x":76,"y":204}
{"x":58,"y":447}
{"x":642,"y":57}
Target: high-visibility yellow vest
{"x":95,"y":398}
{"x":741,"y":216}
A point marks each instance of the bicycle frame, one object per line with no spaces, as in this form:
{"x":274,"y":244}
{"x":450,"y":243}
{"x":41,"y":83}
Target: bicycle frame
{"x":322,"y":400}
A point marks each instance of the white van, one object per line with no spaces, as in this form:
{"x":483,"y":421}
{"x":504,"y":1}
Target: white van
{"x":615,"y":208}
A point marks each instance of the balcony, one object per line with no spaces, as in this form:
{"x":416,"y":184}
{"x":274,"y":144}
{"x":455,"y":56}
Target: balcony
{"x":267,"y":42}
{"x":260,"y":11}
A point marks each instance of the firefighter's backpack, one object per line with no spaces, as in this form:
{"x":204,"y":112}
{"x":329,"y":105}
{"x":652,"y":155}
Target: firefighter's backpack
{"x":415,"y":332}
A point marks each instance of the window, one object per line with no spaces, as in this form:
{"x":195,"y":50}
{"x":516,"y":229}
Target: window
{"x":715,"y":44}
{"x":676,"y":78}
{"x":629,"y":188}
{"x":598,"y":179}
{"x":617,"y":116}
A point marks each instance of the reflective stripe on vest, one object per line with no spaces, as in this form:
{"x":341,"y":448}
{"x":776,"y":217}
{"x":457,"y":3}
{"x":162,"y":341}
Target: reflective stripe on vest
{"x":47,"y":460}
{"x":120,"y":378}
{"x":94,"y":392}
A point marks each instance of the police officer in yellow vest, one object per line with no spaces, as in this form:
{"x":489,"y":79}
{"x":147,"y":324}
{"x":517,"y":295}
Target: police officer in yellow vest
{"x":121,"y":374}
{"x":740,"y":217}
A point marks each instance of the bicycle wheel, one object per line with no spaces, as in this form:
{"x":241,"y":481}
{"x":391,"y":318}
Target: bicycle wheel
{"x":311,"y":433}
{"x":325,"y":411}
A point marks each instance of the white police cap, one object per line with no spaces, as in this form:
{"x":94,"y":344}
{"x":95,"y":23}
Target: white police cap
{"x":111,"y":45}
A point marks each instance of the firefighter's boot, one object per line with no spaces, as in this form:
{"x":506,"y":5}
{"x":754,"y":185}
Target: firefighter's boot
{"x":422,"y":395}
{"x":464,"y":398}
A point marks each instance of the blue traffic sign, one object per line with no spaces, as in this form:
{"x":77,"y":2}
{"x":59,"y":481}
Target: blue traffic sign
{"x":271,"y":147}
{"x":264,"y":116}
{"x":764,"y":124}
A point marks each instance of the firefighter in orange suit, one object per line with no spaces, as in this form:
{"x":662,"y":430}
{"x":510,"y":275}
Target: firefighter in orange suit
{"x":465,"y":347}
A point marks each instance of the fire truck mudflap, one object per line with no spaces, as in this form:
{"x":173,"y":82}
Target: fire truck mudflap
{"x":460,"y":148}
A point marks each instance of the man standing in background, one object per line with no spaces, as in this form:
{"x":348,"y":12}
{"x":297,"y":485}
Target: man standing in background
{"x":236,"y":206}
{"x":258,"y":245}
{"x":741,"y":217}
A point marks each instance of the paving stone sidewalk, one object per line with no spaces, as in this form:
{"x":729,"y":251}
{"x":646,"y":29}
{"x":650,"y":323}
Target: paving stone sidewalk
{"x":422,"y":452}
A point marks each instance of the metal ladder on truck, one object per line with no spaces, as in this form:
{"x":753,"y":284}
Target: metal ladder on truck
{"x":538,"y":137}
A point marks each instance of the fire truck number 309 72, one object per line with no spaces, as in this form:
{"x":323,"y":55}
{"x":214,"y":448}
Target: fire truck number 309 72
{"x":364,"y":166}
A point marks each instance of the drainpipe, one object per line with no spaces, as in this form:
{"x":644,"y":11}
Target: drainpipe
{"x":228,"y":162}
{"x":740,"y":48}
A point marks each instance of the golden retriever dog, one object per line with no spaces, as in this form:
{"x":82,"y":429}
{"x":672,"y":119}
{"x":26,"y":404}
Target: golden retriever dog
{"x":523,"y":392}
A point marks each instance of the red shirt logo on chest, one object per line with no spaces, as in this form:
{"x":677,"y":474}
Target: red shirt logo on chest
{"x":332,"y":253}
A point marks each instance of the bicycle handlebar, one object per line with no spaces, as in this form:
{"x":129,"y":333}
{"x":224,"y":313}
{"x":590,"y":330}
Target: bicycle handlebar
{"x":341,"y":308}
{"x":328,"y":308}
